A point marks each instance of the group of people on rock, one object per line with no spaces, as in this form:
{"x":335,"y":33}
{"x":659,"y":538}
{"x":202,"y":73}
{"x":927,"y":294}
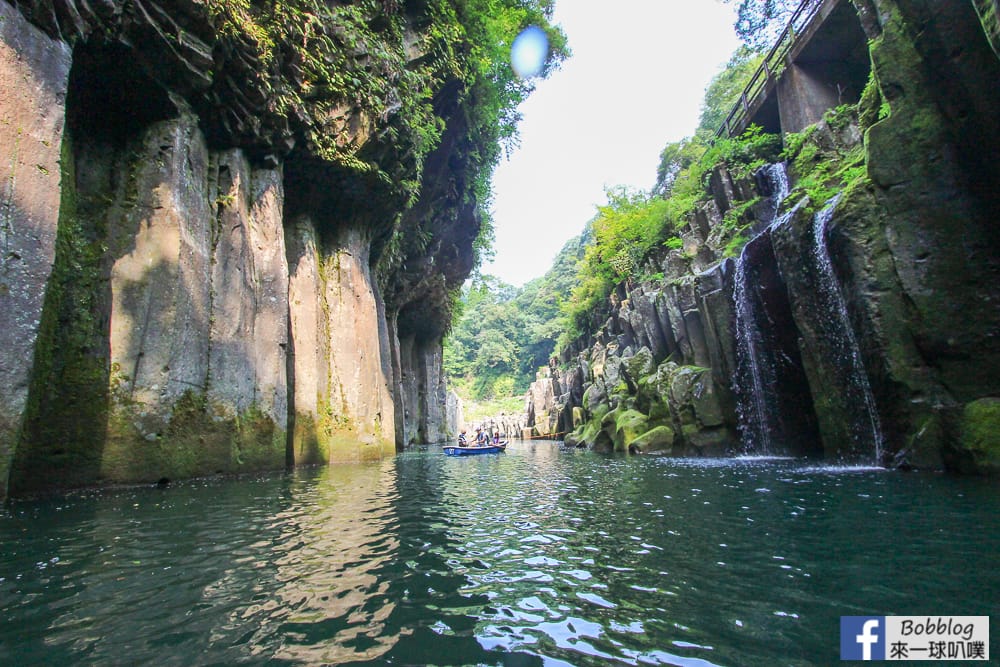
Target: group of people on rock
{"x":481,"y":439}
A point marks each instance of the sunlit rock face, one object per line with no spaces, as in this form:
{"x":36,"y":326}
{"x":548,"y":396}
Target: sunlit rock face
{"x":359,"y":381}
{"x":191,"y":247}
{"x":33,"y":74}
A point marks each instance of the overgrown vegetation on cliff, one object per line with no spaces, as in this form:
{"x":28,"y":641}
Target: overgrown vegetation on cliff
{"x":328,"y":64}
{"x":502,"y":335}
{"x":633,"y":231}
{"x":371,"y":87}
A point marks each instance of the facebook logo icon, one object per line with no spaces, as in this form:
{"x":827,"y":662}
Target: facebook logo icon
{"x":862,"y":637}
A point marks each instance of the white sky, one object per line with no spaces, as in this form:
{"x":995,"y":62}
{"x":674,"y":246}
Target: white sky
{"x":635,"y":81}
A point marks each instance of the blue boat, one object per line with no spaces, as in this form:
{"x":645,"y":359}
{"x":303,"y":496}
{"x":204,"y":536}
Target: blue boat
{"x":468,"y":450}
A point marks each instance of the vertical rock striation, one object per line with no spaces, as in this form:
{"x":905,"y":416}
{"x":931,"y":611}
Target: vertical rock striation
{"x":229,"y":236}
{"x":863,"y":328}
{"x":34,"y":69}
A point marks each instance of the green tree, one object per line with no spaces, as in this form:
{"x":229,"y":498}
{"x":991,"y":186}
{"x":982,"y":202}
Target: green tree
{"x":485,"y":342}
{"x":502,"y":335}
{"x":759,"y":22}
{"x":675,"y":158}
{"x":624,"y":235}
{"x":725,"y":88}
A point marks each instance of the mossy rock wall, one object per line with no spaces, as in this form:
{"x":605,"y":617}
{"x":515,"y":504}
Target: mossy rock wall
{"x":912,"y":242}
{"x":197,"y":441}
{"x":915,"y":245}
{"x":34,"y":69}
{"x":976,"y":449}
{"x":199,"y":137}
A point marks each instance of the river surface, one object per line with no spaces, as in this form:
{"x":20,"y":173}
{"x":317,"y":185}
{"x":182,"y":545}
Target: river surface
{"x":537,"y":556}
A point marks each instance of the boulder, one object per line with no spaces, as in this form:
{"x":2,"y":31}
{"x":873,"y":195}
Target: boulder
{"x":628,"y":425}
{"x":976,"y":449}
{"x":638,"y":365}
{"x":656,"y":439}
{"x":710,"y":441}
{"x":594,"y":396}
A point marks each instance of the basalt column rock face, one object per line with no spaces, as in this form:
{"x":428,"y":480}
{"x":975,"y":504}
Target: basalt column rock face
{"x":249,"y":325}
{"x":229,"y":240}
{"x":860,"y":321}
{"x":161,"y":251}
{"x":343,"y":399}
{"x":34,"y":70}
{"x":918,"y":248}
{"x":425,"y":395}
{"x":170,"y":279}
{"x":308,"y":343}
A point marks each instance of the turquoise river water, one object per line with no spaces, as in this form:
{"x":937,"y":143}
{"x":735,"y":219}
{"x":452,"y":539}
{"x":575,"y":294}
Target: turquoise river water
{"x":540,"y":556}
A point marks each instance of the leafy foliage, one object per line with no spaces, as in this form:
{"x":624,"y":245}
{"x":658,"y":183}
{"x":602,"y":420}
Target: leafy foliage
{"x":635,"y":228}
{"x":370,"y":87}
{"x":675,"y":158}
{"x":725,"y":88}
{"x":623,"y":234}
{"x":758,"y":22}
{"x":721,"y":94}
{"x":502,"y":334}
{"x":821,"y":170}
{"x":627,"y":240}
{"x":493,"y":91}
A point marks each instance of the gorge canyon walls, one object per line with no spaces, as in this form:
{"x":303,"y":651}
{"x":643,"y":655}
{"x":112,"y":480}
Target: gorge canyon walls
{"x":190,"y":284}
{"x":860,"y":329}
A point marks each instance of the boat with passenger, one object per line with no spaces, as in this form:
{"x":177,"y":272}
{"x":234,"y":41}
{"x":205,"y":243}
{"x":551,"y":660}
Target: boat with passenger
{"x":466,"y":450}
{"x":482,"y":444}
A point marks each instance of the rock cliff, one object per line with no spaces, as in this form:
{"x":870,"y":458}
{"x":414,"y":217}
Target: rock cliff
{"x":863,"y":328}
{"x":230,"y":232}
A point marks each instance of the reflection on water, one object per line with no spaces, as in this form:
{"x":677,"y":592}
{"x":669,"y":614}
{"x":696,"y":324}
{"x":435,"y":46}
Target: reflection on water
{"x":331,"y":599}
{"x":537,"y":556}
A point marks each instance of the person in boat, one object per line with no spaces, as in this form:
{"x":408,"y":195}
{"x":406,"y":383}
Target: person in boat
{"x":463,"y":439}
{"x":496,"y":437}
{"x":481,"y":438}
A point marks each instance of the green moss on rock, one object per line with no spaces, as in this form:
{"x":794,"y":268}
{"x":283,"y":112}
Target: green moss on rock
{"x":308,"y":446}
{"x":629,"y":424}
{"x":978,"y":446}
{"x":196,"y":441}
{"x":657,"y":439}
{"x":67,"y":409}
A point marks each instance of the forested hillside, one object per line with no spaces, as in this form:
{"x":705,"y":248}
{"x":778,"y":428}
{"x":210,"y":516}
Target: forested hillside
{"x":503,"y":334}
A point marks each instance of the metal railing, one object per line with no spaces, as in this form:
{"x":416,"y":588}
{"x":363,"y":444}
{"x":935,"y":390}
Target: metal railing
{"x":771,"y":67}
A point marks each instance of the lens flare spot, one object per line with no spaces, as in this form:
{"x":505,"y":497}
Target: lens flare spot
{"x":528,"y":52}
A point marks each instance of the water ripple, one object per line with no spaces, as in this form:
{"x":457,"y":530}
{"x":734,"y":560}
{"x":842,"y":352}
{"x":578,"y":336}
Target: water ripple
{"x":536,"y":557}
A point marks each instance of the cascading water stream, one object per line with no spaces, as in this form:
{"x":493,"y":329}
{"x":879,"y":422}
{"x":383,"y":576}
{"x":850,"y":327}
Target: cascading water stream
{"x":755,"y":373}
{"x":773,"y":178}
{"x":865,"y":430}
{"x":748,"y":387}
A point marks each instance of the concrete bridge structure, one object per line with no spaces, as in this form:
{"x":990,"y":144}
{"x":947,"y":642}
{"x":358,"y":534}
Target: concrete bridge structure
{"x":819,"y":62}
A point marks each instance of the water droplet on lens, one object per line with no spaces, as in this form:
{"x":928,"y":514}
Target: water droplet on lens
{"x":528,"y":52}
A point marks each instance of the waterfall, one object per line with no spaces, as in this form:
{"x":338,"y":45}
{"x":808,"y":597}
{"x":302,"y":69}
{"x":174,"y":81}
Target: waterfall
{"x":865,"y":428}
{"x":772,"y":184}
{"x":756,"y":375}
{"x":752,"y":404}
